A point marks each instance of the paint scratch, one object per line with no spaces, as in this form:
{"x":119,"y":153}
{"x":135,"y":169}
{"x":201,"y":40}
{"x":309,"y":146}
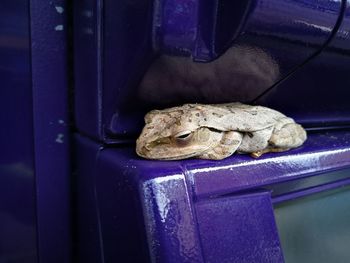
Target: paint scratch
{"x":59,"y":9}
{"x":59,"y":27}
{"x":59,"y":138}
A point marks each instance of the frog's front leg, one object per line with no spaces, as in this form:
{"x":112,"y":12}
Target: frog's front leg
{"x":256,"y":141}
{"x":229,"y":143}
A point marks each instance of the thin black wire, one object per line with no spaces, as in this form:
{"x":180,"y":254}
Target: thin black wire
{"x":324,"y":46}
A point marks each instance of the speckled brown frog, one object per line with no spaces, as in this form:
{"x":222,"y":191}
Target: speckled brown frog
{"x":216,"y":132}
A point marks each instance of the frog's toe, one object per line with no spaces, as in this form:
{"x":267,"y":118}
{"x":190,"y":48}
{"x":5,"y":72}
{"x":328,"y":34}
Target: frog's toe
{"x":258,"y":154}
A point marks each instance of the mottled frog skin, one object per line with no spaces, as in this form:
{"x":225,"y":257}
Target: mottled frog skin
{"x":216,"y":132}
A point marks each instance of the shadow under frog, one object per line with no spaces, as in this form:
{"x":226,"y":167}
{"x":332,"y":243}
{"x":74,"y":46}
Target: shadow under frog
{"x":241,"y":74}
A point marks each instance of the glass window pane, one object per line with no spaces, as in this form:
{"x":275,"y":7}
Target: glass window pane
{"x":316,"y":228}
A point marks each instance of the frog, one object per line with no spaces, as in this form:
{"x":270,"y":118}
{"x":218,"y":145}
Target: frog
{"x":217,"y":131}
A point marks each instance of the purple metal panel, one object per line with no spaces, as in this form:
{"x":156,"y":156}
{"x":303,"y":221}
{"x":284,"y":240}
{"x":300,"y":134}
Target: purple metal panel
{"x":115,"y":51}
{"x":127,"y":54}
{"x":119,"y":76}
{"x":123,"y":188}
{"x":120,"y":212}
{"x":88,"y":245}
{"x":311,"y":190}
{"x":113,"y":189}
{"x":17,"y":179}
{"x":175,"y":24}
{"x":320,"y":153}
{"x":206,"y":30}
{"x":239,"y":229}
{"x":320,"y":87}
{"x":276,"y":38}
{"x":170,"y":220}
{"x":112,"y":49}
{"x":87,"y":66}
{"x":50,"y":71}
{"x":109,"y":221}
{"x":340,"y":42}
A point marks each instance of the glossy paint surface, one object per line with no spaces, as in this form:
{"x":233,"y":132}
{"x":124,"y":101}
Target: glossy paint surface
{"x":194,"y":28}
{"x":87,"y":66}
{"x":170,"y":220}
{"x":321,"y":152}
{"x":123,"y":70}
{"x":88,"y":246}
{"x":127,"y":54}
{"x":187,"y":207}
{"x":320,"y":87}
{"x":229,"y":223}
{"x":50,"y":73}
{"x":18,"y":230}
{"x":144,"y":210}
{"x":112,"y":51}
{"x":34,"y":164}
{"x":109,"y":222}
{"x":176,"y":21}
{"x":120,"y":212}
{"x":274,"y":38}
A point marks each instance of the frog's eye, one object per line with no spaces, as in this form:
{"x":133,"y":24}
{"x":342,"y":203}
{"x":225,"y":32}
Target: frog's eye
{"x":183,"y":135}
{"x":182,"y":138}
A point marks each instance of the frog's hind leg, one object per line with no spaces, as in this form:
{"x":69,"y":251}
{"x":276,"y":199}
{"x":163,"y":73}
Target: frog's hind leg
{"x":229,"y":143}
{"x":290,"y":135}
{"x":286,"y":135}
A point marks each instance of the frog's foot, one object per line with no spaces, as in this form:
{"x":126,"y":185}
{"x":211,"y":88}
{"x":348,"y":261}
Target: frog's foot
{"x":290,"y":135}
{"x":258,"y":154}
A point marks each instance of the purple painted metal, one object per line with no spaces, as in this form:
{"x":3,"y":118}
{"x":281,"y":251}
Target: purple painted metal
{"x":119,"y":77}
{"x":121,"y":198}
{"x":170,"y":220}
{"x":310,"y":191}
{"x":17,"y":195}
{"x":87,"y":68}
{"x":325,"y":75}
{"x":276,"y":39}
{"x":50,"y":73}
{"x":122,"y":39}
{"x":205,"y":30}
{"x":320,"y":153}
{"x":88,"y":244}
{"x":127,"y":46}
{"x":182,"y":200}
{"x":227,"y":224}
{"x":120,"y":212}
{"x":108,"y":222}
{"x":302,"y":26}
{"x":175,"y":25}
{"x":340,"y":42}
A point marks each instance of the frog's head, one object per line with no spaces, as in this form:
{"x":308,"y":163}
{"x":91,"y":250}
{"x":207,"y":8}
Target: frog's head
{"x":175,"y":133}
